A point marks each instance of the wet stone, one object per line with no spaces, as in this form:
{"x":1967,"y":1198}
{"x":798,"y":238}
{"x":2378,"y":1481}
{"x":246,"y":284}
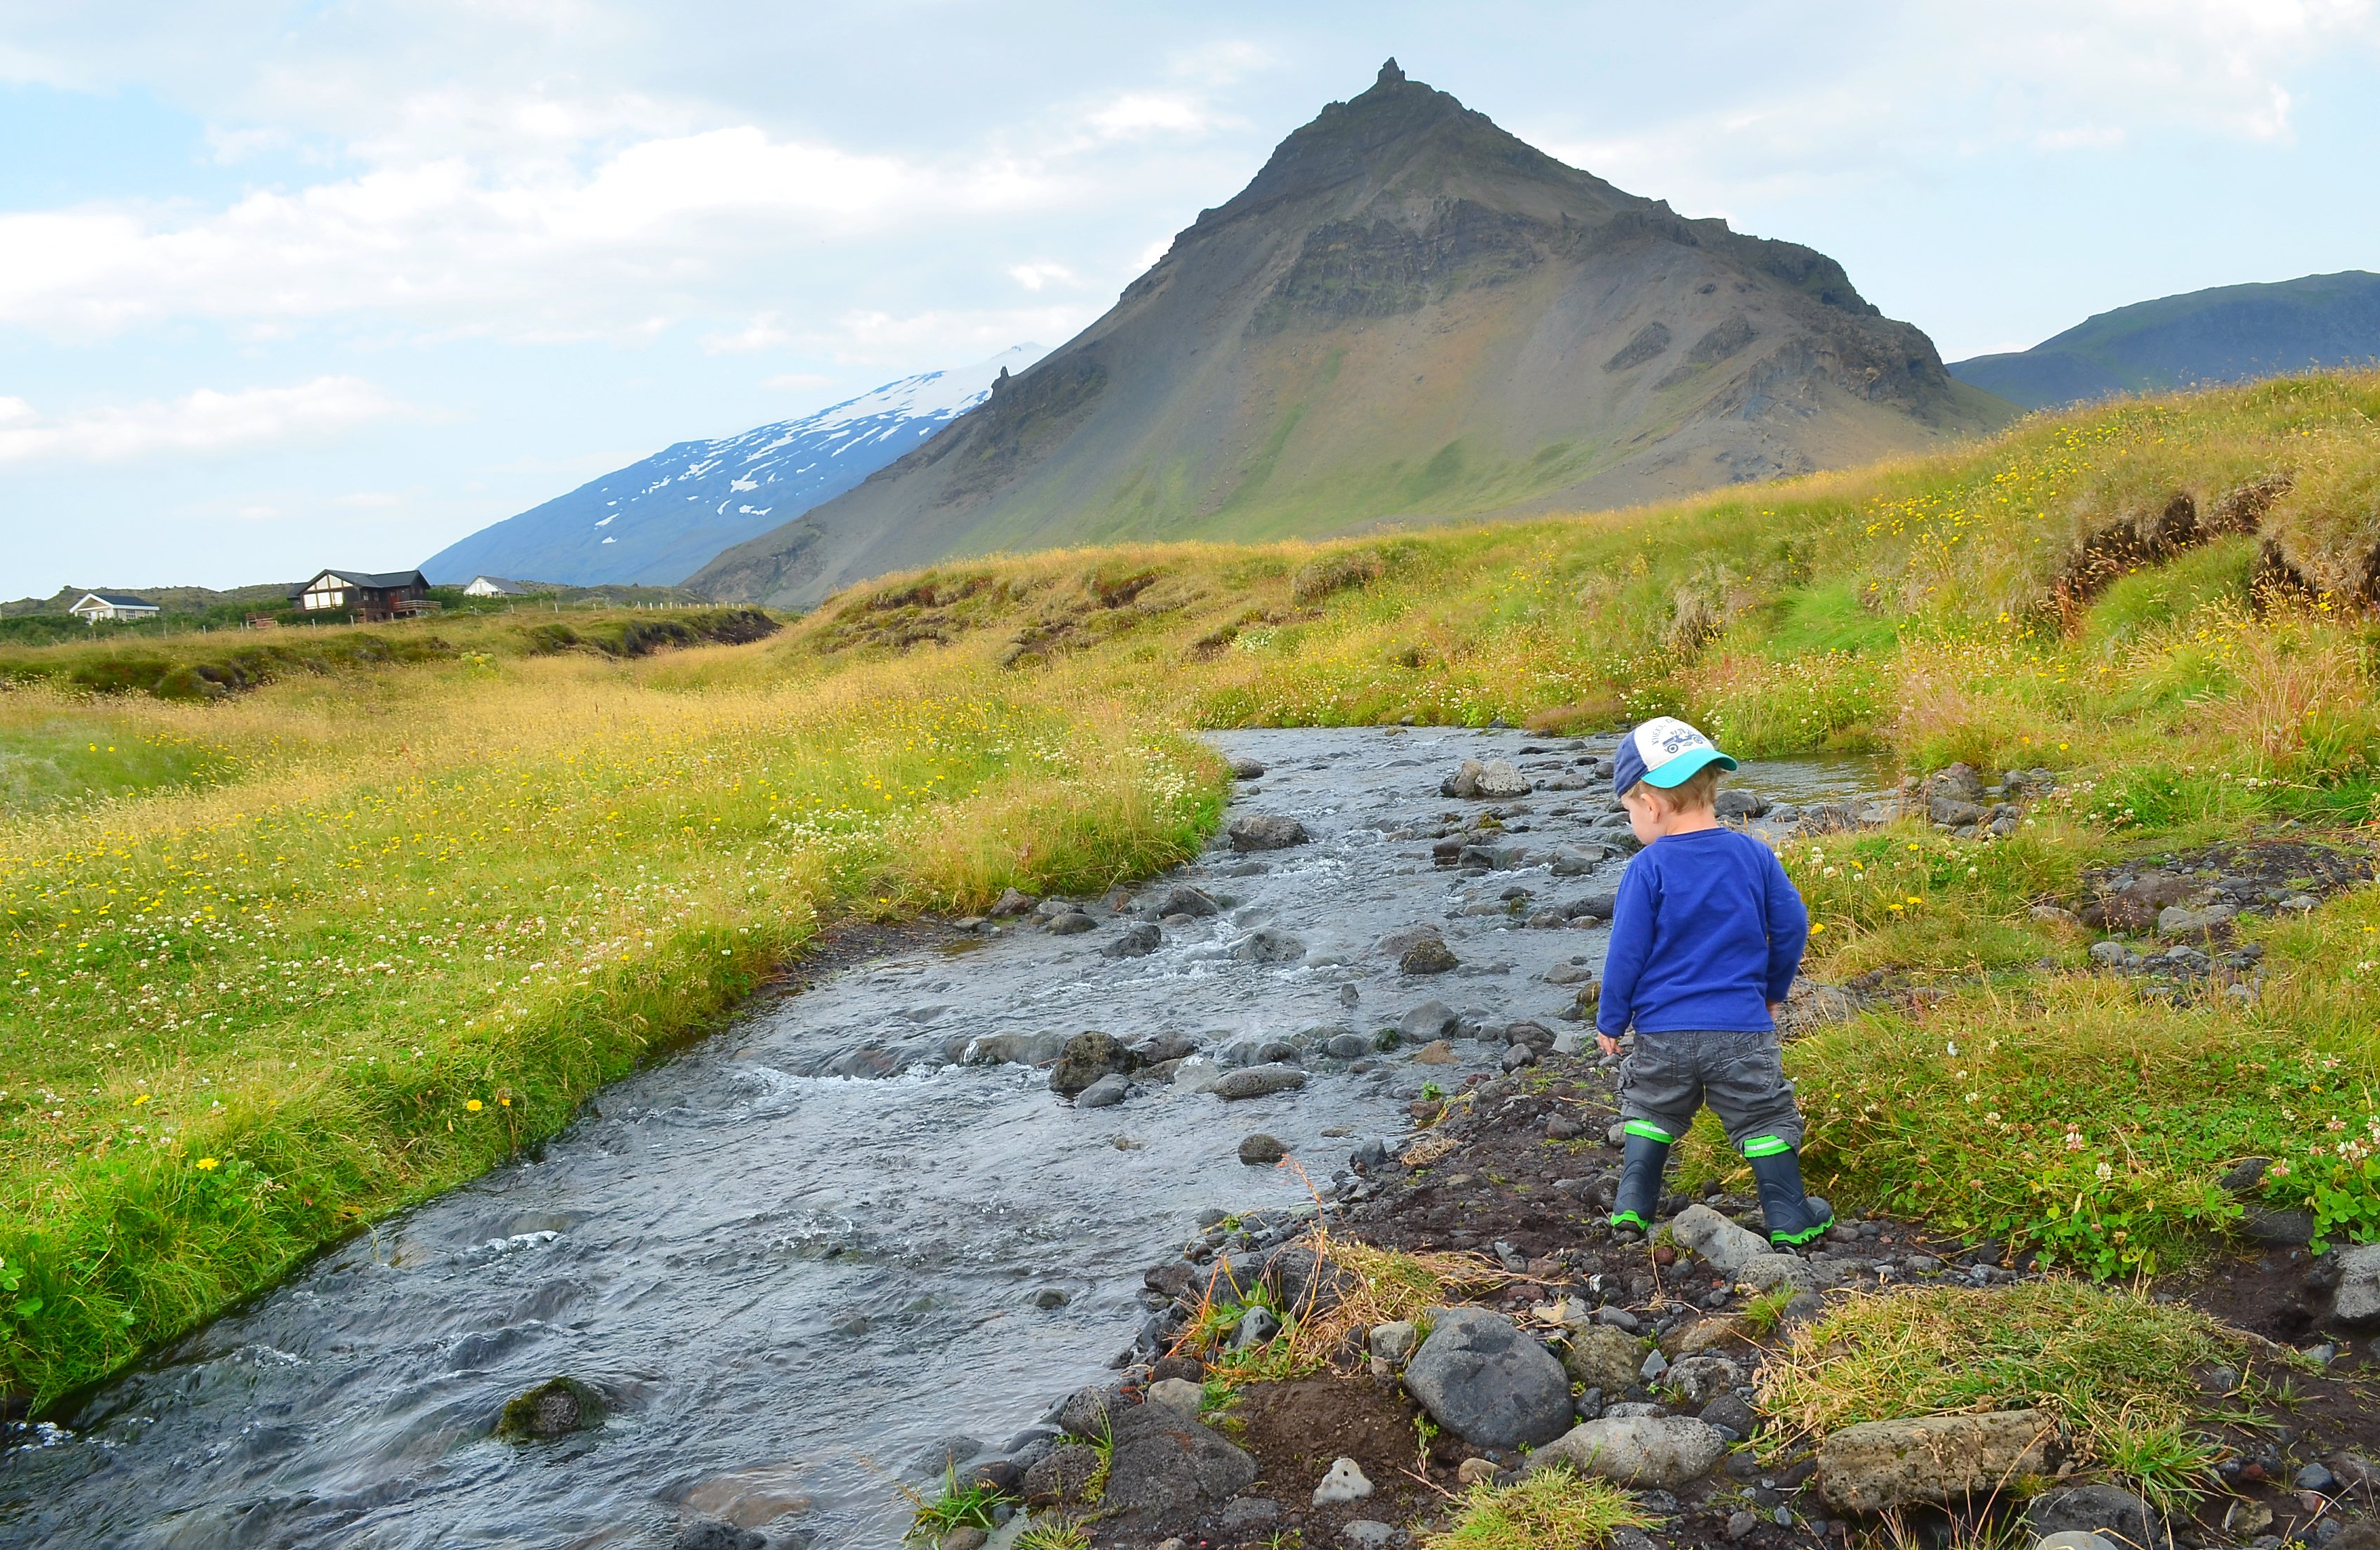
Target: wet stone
{"x":1429,"y":956}
{"x":1267,"y":831}
{"x":553,"y":1409}
{"x":1261,"y":1150}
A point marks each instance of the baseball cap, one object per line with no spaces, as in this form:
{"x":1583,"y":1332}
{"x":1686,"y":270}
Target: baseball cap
{"x":1664,"y":751}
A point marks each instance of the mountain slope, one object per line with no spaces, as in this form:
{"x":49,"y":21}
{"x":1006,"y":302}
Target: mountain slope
{"x":2226,"y":334}
{"x":1409,"y":314}
{"x":656,"y":522}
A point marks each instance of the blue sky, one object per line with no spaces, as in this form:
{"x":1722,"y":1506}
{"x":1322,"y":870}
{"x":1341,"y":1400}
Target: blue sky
{"x":292,"y":284}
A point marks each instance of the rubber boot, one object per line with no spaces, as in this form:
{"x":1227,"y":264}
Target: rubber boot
{"x":1794,"y":1218}
{"x":1644,"y":1151}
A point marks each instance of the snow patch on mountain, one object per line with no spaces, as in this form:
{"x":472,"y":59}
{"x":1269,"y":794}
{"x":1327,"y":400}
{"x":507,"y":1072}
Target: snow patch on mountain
{"x":659,"y":521}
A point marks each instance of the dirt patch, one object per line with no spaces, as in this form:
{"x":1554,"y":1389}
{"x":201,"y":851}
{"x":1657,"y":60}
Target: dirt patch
{"x":1297,"y":1430}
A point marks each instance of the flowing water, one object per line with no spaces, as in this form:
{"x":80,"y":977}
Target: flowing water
{"x":792,"y":1272}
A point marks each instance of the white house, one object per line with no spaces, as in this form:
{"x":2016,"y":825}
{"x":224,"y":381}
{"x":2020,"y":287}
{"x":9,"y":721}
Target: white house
{"x":495,"y":586}
{"x":118,"y":606}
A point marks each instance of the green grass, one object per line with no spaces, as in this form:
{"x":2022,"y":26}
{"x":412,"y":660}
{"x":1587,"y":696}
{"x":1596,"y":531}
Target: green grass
{"x":240,"y":1022}
{"x":1554,"y":1509}
{"x":957,"y":1507}
{"x":2115,"y":1365}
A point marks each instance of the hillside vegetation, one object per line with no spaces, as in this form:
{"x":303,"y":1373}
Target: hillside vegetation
{"x":347,"y":937}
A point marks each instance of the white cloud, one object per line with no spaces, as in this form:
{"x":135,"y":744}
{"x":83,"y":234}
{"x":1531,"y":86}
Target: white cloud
{"x":1034,"y":276}
{"x":797,"y":381}
{"x":204,"y":421}
{"x":1144,"y":113}
{"x":764,"y":331}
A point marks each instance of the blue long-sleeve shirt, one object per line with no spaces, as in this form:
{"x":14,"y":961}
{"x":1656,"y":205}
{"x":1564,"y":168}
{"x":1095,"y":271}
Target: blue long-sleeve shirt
{"x":1707,"y":930}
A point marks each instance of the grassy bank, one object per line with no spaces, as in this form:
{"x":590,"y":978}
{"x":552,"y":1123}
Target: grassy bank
{"x":420,"y":925}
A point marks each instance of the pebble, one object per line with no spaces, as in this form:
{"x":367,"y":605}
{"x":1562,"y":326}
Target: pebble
{"x":2317,"y":1477}
{"x":1345,"y":1483}
{"x":1471,"y":1472}
{"x":1106,"y":1092}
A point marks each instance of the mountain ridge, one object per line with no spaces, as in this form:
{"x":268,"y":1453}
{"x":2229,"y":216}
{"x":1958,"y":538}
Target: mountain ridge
{"x":1408,"y":314}
{"x":633,"y":527}
{"x":2221,"y":334}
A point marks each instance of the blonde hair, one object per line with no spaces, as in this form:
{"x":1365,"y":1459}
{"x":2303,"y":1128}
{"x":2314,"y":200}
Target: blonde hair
{"x":1692,"y":795}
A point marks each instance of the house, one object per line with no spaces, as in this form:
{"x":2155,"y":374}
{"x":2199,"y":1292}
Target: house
{"x":114,"y":606}
{"x":495,"y":586}
{"x":369,"y":596}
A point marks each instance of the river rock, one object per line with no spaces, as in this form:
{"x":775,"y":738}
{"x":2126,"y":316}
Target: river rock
{"x":1246,"y":769}
{"x":2105,"y":1510}
{"x":1429,"y":956}
{"x":1086,"y":1058}
{"x":1428,"y":1021}
{"x":1256,"y":1082}
{"x":1198,"y":1073}
{"x":1107,"y":1091}
{"x":1180,"y":1395}
{"x":1267,"y":831}
{"x":1345,"y":1483}
{"x":555,"y":1408}
{"x":1185,"y":901}
{"x":1085,"y":1411}
{"x":2357,"y":1300}
{"x":943,"y":1456}
{"x":1261,"y":1150}
{"x":1487,"y":1383}
{"x":1436,"y":1052}
{"x":1166,"y":1468}
{"x":1061,"y":1475}
{"x":1722,"y":1244}
{"x":1012,"y":903}
{"x":1136,"y":940}
{"x":1023,"y":1049}
{"x":1495,"y":778}
{"x":1347,"y":1047}
{"x":1073,"y":922}
{"x":1739,"y":803}
{"x":1602,"y":1357}
{"x":749,"y":1497}
{"x":1268,"y":946}
{"x":1700,"y":1379}
{"x":1392,"y":1341}
{"x":709,"y":1533}
{"x":1649,"y":1453}
{"x":1305,"y":1282}
{"x":1159,"y":1048}
{"x":1878,"y":1464}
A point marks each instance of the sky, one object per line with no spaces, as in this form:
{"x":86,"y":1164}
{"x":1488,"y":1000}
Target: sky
{"x":293,"y":284}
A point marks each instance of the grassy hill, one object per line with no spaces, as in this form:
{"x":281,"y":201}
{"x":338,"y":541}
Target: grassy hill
{"x":2228,"y":334}
{"x":2168,"y":603}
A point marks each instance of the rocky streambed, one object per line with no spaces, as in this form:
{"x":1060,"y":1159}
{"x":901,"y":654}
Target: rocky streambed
{"x":793,"y":1262}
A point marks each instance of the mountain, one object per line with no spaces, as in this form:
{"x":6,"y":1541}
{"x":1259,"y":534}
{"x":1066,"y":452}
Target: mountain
{"x":1409,"y":315}
{"x":656,"y":522}
{"x":2219,"y":335}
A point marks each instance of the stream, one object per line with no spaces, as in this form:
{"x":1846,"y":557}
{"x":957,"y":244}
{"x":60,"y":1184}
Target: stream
{"x":803,"y":1252}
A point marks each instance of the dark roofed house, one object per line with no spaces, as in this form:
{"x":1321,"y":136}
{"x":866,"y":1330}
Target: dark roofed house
{"x":96,"y":606}
{"x":369,"y":596}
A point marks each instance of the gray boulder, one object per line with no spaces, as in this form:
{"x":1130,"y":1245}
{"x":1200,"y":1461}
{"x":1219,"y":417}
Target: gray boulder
{"x":1938,"y":1458}
{"x":1073,"y":922}
{"x":1700,"y":1379}
{"x":1256,"y":1082}
{"x":1136,"y":940}
{"x":1084,"y":1412}
{"x":1650,"y":1452}
{"x":1086,"y":1058}
{"x":1428,"y":1021}
{"x":1722,"y":1244}
{"x":1106,"y":1092}
{"x":1269,"y":947}
{"x":2357,"y":1300}
{"x":2108,"y":1512}
{"x":1495,"y":778}
{"x":1181,"y":1397}
{"x":1184,"y":899}
{"x":1061,"y":1474}
{"x":1267,"y":831}
{"x":1481,"y":1379}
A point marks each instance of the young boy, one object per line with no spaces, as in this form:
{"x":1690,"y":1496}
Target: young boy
{"x":1706,"y":936}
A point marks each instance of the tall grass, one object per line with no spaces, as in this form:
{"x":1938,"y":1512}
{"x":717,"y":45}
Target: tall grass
{"x":240,"y":1020}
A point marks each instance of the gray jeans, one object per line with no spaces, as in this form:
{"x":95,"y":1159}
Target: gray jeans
{"x":1667,"y":1076}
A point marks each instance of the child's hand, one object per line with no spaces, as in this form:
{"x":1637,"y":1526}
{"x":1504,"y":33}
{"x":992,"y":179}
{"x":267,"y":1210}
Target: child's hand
{"x":1610,"y":1046}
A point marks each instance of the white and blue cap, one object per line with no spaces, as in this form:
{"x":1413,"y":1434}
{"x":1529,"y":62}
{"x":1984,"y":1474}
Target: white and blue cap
{"x":1664,"y":751}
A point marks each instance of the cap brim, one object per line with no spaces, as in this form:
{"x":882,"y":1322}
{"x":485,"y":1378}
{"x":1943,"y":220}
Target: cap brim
{"x":1679,"y":770}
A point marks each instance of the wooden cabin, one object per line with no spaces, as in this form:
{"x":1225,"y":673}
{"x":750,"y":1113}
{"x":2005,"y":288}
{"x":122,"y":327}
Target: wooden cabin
{"x":372,"y":596}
